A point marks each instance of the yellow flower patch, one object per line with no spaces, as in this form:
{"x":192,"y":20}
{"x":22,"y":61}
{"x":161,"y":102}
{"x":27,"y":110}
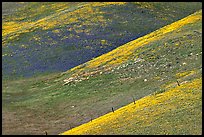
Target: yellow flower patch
{"x":186,"y":73}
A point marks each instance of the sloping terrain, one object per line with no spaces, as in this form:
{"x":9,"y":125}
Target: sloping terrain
{"x":48,"y":37}
{"x":149,"y":65}
{"x":176,"y":111}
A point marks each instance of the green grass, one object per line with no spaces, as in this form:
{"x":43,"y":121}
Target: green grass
{"x":33,"y":105}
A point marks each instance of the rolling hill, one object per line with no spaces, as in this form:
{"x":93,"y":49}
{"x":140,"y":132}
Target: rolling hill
{"x":146,"y":69}
{"x":40,"y":38}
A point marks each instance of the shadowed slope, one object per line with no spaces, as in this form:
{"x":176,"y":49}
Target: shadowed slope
{"x":127,"y":51}
{"x":42,"y":38}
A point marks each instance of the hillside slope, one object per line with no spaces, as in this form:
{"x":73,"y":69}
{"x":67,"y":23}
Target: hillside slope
{"x":176,"y":111}
{"x":48,"y":37}
{"x":150,"y":64}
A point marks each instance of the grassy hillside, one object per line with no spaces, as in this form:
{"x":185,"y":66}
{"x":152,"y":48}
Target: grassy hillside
{"x":49,"y":37}
{"x":149,"y":65}
{"x":176,"y":111}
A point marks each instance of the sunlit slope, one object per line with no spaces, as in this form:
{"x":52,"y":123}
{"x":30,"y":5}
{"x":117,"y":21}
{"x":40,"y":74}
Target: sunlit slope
{"x":47,"y":37}
{"x":61,"y":101}
{"x":176,"y":111}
